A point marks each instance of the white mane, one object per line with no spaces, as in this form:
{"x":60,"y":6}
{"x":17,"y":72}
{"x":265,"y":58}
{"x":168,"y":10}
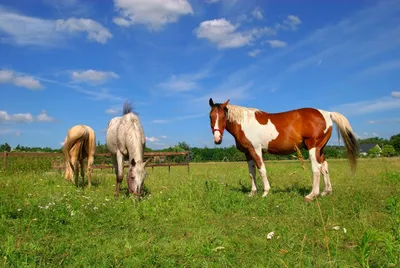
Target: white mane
{"x":239,"y":113}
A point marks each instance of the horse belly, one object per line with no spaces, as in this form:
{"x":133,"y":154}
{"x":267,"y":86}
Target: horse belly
{"x":284,"y":145}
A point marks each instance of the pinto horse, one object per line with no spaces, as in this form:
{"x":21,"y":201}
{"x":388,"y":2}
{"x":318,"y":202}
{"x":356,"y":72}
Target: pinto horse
{"x":80,"y":143}
{"x":256,"y":131}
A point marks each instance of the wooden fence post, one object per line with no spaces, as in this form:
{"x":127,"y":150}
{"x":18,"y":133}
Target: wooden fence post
{"x":5,"y":160}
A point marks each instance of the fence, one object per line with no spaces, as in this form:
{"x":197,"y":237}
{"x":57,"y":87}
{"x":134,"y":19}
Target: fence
{"x":160,"y":159}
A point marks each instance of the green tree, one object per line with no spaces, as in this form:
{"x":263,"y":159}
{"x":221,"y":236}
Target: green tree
{"x":388,"y":151}
{"x":374,"y":151}
{"x":395,"y":142}
{"x":5,"y":147}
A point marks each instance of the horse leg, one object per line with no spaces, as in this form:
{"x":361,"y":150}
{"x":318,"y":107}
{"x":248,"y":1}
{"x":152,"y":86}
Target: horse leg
{"x":89,"y":169}
{"x":82,"y":172}
{"x":327,"y":181}
{"x":119,"y":171}
{"x":316,"y":170}
{"x":256,"y":154}
{"x":252,"y":172}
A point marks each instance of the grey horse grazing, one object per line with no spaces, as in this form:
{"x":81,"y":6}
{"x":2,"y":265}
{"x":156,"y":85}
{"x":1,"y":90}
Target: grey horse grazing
{"x":125,"y":140}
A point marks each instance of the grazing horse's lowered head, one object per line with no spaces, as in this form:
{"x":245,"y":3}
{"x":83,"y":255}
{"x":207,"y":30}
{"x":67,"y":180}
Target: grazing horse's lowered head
{"x":136,"y":177}
{"x":218,"y":115}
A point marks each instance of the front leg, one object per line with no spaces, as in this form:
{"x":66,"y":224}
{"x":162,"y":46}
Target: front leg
{"x":252,"y":172}
{"x":257,"y":156}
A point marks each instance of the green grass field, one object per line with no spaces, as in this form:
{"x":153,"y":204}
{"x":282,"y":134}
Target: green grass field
{"x":204,"y":219}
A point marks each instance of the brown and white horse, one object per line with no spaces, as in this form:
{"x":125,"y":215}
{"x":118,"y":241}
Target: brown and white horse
{"x":80,"y":143}
{"x":282,"y":133}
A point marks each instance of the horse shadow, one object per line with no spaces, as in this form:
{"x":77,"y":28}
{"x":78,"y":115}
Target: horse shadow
{"x":294,"y":188}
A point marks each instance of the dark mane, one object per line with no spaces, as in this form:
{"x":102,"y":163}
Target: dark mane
{"x":128,"y":108}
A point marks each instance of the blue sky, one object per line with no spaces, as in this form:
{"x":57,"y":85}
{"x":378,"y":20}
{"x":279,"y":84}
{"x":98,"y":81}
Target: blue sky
{"x":75,"y":62}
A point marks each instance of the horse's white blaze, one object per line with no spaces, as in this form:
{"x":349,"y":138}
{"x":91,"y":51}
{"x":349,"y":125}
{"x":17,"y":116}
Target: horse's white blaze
{"x":327,"y":117}
{"x":259,"y":135}
{"x":217,"y":134}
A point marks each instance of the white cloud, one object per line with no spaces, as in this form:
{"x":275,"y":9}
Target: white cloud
{"x":276,"y":43}
{"x":226,"y":35}
{"x":44,"y":117}
{"x":24,"y":30}
{"x":152,"y":139}
{"x":379,"y":68}
{"x":113,"y":111}
{"x":177,"y":84}
{"x":180,"y":118}
{"x":370,"y":106}
{"x":20,"y":80}
{"x":385,"y":121}
{"x":254,"y":52}
{"x":164,"y":137}
{"x":396,"y":94}
{"x":258,"y":13}
{"x":95,"y":31}
{"x":93,"y":76}
{"x":24,"y":117}
{"x":291,"y":23}
{"x":152,"y":13}
{"x":12,"y":132}
{"x":211,"y":1}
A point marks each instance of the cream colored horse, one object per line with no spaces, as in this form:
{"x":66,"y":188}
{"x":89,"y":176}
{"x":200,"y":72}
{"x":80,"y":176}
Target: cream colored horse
{"x":79,"y":144}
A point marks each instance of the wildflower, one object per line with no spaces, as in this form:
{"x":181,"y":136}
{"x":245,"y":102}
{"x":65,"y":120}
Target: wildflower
{"x":95,"y":208}
{"x":19,"y":209}
{"x":72,"y":213}
{"x":270,"y":235}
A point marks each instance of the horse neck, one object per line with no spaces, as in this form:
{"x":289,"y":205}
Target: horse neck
{"x":135,"y":147}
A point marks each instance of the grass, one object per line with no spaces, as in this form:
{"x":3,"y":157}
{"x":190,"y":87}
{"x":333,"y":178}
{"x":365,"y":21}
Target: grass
{"x":204,"y":219}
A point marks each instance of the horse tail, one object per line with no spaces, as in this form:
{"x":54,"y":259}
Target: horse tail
{"x":127,"y":108}
{"x":81,"y":135}
{"x":345,"y":131}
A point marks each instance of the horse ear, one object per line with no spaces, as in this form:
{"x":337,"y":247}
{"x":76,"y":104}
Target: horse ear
{"x":147,"y":161}
{"x":225,"y":103}
{"x":211,"y":102}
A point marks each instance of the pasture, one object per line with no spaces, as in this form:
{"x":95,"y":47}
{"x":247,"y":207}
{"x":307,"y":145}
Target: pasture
{"x":204,"y":219}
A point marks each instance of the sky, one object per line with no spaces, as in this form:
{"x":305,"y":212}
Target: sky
{"x":71,"y":62}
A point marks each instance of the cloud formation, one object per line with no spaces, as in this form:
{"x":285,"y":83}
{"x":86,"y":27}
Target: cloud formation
{"x":19,"y":80}
{"x":93,"y":76}
{"x":19,"y":118}
{"x":24,"y":30}
{"x":155,"y":14}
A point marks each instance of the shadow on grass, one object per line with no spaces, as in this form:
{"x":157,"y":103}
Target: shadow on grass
{"x":295,"y":188}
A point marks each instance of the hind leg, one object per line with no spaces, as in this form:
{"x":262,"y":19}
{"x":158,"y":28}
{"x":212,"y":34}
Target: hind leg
{"x":89,"y":170}
{"x":119,"y":172}
{"x":316,"y":170}
{"x":81,"y":164}
{"x":327,"y":181}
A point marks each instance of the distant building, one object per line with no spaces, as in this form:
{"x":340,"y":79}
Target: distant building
{"x":364,"y":148}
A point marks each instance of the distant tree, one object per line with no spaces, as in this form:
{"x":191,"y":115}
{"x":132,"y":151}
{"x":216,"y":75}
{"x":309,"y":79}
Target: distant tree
{"x":5,"y":147}
{"x":388,"y":151}
{"x":395,"y":142}
{"x":374,"y":151}
{"x":184,"y":146}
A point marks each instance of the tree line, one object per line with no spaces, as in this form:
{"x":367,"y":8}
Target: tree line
{"x":390,"y":147}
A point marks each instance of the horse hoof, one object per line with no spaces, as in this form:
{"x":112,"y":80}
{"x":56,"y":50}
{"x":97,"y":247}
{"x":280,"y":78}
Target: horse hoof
{"x":325,"y":193}
{"x":308,"y":199}
{"x":265,"y":194}
{"x":252,"y":193}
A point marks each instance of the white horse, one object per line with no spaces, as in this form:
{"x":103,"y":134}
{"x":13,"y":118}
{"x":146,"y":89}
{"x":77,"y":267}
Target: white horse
{"x":125,"y":140}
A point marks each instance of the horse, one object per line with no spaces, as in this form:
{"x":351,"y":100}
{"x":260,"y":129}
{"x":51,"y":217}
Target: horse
{"x":256,"y":131}
{"x":125,"y":139}
{"x":80,"y":143}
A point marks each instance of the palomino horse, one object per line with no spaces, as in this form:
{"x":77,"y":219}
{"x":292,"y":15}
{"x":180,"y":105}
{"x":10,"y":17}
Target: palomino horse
{"x":282,"y":133}
{"x":125,"y":139}
{"x":79,"y":144}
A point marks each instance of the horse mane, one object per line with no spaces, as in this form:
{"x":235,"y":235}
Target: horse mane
{"x":239,"y":113}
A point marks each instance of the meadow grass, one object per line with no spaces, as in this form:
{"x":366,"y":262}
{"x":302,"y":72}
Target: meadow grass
{"x":204,"y":219}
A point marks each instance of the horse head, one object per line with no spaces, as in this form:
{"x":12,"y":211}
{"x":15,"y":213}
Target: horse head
{"x":136,"y":176}
{"x":218,"y":119}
